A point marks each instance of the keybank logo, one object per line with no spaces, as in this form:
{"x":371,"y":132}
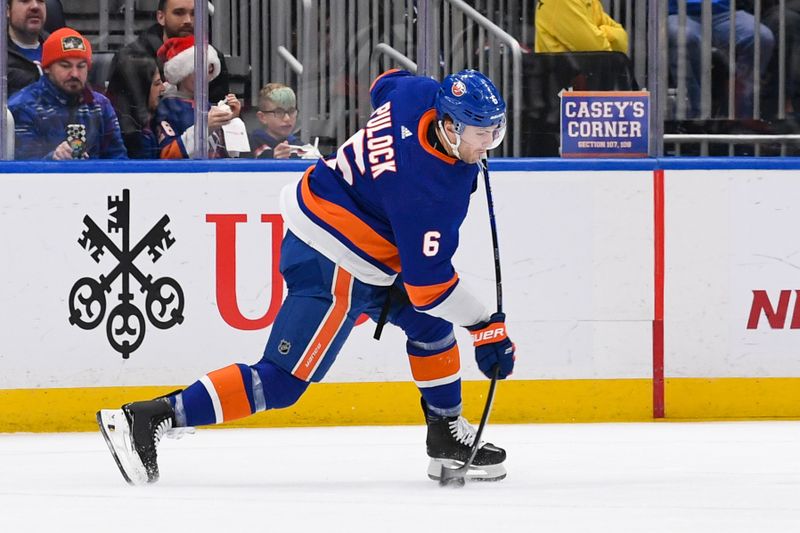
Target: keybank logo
{"x":163,"y":301}
{"x":775,"y":312}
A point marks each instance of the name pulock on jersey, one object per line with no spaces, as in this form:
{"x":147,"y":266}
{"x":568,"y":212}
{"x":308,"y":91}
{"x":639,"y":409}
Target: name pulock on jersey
{"x":494,"y":332}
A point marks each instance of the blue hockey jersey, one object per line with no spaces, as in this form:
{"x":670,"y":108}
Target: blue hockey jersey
{"x":174,"y":123}
{"x":388,"y":203}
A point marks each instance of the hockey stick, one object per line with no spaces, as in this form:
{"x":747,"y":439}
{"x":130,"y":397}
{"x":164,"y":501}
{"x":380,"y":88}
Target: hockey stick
{"x":457,"y":476}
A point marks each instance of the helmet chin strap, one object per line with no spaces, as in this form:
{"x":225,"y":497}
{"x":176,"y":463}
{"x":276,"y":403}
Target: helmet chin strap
{"x":453,"y":147}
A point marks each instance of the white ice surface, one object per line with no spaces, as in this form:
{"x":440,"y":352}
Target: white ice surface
{"x":653,"y":477}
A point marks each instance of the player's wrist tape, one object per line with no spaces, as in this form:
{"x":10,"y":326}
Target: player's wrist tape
{"x":493,"y":332}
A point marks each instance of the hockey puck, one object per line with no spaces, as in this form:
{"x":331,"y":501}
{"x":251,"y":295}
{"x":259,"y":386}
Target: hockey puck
{"x":456,"y":482}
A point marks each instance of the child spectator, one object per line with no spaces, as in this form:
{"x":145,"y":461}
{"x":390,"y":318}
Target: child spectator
{"x":174,"y":120}
{"x":277,"y":112}
{"x":136,"y":120}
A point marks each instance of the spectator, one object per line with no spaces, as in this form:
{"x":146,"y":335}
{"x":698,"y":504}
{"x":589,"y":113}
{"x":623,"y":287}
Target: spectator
{"x":577,"y":26}
{"x":174,"y":18}
{"x":277,"y":112}
{"x":772,"y":17}
{"x":136,"y":123}
{"x":720,"y":33}
{"x":26,"y":20}
{"x":43,"y":111}
{"x":175,"y":113}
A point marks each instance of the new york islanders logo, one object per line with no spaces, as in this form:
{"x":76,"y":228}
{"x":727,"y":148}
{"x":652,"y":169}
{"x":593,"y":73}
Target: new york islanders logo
{"x":458,"y":89}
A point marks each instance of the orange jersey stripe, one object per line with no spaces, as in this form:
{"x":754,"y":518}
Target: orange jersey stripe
{"x":422,"y":134}
{"x":333,"y":323}
{"x":372,"y":85}
{"x":172,"y":151}
{"x":352,"y":227}
{"x":443,"y":365}
{"x":229,"y":385}
{"x":424,"y":295}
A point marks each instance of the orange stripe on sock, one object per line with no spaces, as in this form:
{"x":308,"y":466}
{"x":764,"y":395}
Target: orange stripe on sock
{"x":229,"y":384}
{"x":333,"y":323}
{"x":439,"y":366}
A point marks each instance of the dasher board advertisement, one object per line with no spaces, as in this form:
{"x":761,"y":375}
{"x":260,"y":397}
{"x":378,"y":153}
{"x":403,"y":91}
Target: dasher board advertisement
{"x":605,"y":123}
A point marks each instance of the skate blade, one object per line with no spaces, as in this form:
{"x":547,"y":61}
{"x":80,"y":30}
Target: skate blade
{"x":117,"y":434}
{"x":475,"y":472}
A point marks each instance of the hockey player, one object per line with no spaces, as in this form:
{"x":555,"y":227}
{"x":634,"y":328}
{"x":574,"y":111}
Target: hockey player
{"x":372,"y":229}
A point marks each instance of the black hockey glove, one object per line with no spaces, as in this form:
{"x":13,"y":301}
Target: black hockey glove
{"x":492,"y":346}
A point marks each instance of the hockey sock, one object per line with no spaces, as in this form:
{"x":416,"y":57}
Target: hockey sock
{"x":217,"y":397}
{"x":235,"y":391}
{"x":281,"y":389}
{"x":436,"y":372}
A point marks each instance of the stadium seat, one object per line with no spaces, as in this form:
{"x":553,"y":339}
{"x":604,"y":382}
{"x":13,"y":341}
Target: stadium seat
{"x":101,"y":70}
{"x":55,"y":16}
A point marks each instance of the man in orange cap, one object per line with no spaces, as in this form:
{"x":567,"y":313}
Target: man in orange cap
{"x":59,"y":117}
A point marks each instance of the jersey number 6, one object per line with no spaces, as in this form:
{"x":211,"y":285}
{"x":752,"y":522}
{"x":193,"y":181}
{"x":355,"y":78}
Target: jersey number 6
{"x":430,"y":243}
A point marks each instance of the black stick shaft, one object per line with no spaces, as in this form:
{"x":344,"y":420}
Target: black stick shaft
{"x":495,"y":245}
{"x":451,"y":473}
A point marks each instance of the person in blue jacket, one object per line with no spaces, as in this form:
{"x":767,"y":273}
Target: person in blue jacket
{"x":60,"y":117}
{"x":372,"y":229}
{"x":744,"y":30}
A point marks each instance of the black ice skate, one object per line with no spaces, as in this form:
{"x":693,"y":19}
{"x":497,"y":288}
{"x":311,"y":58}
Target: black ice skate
{"x":449,"y":442}
{"x":132,"y":434}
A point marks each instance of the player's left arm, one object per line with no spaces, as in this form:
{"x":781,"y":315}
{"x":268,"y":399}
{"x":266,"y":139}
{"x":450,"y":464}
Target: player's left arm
{"x":426,"y":244}
{"x":426,"y":229}
{"x":423,"y":270}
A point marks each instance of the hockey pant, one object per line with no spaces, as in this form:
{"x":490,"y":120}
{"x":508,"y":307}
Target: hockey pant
{"x":315,"y":319}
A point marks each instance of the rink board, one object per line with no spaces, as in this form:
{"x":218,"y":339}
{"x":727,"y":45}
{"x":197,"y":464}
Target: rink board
{"x":732,"y":270}
{"x":578,"y":244}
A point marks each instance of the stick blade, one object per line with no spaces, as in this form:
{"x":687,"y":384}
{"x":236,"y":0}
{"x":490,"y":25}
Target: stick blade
{"x":452,"y":477}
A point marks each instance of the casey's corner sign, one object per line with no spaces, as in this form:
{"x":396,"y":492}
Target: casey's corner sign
{"x":605,"y":123}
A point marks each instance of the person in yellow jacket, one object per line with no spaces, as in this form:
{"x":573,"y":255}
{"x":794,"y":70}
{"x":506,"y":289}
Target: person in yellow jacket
{"x":577,"y":26}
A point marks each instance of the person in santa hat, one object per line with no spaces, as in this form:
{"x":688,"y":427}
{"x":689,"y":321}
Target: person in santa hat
{"x":174,"y":117}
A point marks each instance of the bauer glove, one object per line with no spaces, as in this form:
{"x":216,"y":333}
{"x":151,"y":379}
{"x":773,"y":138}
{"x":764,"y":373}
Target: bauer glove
{"x":492,"y":346}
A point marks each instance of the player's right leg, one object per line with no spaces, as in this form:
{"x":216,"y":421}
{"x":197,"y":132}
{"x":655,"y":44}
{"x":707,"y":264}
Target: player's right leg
{"x":436,"y":367}
{"x":310,"y":328}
